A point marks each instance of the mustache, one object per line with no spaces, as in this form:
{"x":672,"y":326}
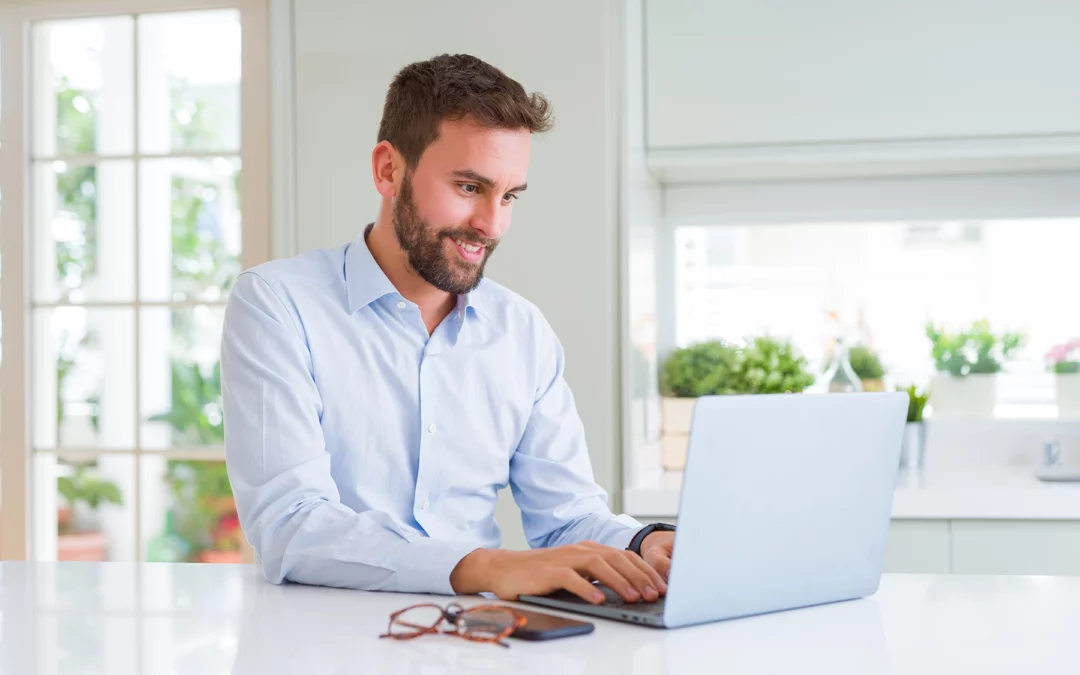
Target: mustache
{"x":470,"y":238}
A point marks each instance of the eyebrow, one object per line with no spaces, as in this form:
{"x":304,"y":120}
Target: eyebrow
{"x":469,"y":174}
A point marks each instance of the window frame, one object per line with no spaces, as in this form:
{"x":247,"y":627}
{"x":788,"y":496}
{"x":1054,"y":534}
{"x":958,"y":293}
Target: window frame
{"x":16,"y":451}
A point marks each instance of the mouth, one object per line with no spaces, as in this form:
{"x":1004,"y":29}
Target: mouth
{"x":469,"y":251}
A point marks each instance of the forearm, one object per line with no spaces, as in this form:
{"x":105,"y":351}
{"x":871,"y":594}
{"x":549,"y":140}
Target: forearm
{"x":602,"y":526}
{"x":325,"y":543}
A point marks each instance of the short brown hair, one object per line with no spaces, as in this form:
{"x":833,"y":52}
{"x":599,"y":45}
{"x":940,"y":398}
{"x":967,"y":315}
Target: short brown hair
{"x":453,"y":87}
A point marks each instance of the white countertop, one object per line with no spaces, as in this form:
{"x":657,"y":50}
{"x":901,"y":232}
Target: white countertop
{"x":150,"y":618}
{"x":1004,"y":493}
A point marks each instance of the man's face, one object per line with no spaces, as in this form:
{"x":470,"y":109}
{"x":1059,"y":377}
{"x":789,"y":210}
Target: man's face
{"x":455,"y":204}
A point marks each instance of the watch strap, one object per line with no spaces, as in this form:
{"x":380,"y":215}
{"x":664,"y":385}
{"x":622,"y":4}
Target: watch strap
{"x":635,"y":543}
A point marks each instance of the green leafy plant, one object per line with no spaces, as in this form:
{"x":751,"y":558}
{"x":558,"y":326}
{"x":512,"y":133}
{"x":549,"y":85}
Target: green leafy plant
{"x":84,"y":487}
{"x":701,"y":369}
{"x":195,"y":415}
{"x":917,"y":400}
{"x":768,"y":365}
{"x":866,"y":363}
{"x":977,"y":350}
{"x":202,"y":497}
{"x":765,"y":365}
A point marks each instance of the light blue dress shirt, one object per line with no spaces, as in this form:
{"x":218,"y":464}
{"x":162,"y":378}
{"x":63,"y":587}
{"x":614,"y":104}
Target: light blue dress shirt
{"x":364,"y":453}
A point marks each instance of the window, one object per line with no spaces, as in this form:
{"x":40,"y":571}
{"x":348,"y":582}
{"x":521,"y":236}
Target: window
{"x":141,"y":209}
{"x":879,"y":283}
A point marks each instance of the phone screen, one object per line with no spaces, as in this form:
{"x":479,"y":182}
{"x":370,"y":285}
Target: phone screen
{"x":543,"y":626}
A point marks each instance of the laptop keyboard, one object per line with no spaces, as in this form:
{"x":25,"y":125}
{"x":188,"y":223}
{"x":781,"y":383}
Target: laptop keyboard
{"x":612,"y":599}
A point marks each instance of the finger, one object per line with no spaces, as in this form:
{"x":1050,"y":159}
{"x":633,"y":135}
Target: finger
{"x":661,"y":562}
{"x":602,"y":570}
{"x":578,"y":585}
{"x":640,"y":573}
{"x":658,"y":581}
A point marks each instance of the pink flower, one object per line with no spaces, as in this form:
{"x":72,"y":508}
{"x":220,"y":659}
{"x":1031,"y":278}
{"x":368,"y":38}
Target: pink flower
{"x":1069,"y":351}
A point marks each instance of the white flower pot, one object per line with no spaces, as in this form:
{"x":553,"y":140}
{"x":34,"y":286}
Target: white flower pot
{"x":673,"y":451}
{"x":676,"y":414}
{"x":1067,"y":394}
{"x":971,"y":397}
{"x":913,"y":451}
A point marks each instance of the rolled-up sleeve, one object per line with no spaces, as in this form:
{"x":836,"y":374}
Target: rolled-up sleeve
{"x":279,"y":468}
{"x":550,"y":472}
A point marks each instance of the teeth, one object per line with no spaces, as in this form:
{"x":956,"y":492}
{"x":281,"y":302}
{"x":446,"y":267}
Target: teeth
{"x":471,"y":248}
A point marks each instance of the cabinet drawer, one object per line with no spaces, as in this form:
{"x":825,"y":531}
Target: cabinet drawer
{"x":917,"y":547}
{"x":1016,"y":547}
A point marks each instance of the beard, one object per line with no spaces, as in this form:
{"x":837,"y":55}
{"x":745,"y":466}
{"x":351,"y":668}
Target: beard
{"x":427,"y":252}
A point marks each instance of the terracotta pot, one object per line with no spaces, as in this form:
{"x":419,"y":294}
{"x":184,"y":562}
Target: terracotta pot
{"x":676,"y":414}
{"x":673,"y":449}
{"x":875,"y":384}
{"x":90,"y":546}
{"x":219,"y":557}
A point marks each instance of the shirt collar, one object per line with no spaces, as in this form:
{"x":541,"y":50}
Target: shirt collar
{"x":365,"y":282}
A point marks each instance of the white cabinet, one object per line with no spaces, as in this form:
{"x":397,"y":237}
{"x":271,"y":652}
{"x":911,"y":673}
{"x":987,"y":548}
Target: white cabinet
{"x":1016,"y":547}
{"x":1041,"y":547}
{"x":918,"y":547}
{"x":781,"y":81}
{"x":773,"y":71}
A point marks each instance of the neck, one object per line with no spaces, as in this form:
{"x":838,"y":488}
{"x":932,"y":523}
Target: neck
{"x":434,"y":304}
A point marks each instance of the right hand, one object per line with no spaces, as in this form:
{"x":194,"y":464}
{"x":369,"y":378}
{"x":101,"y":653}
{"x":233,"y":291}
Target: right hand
{"x":509,"y":574}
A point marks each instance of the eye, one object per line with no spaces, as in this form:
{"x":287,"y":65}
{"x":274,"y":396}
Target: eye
{"x":510,"y":196}
{"x":470,"y":188}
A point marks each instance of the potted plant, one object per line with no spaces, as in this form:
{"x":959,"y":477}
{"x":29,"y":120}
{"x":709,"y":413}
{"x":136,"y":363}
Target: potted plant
{"x":967,"y":363}
{"x":768,"y":365}
{"x":79,"y":535}
{"x":765,"y":365}
{"x":204,"y":513}
{"x":914,"y":445}
{"x":687,"y":373}
{"x":1064,"y":362}
{"x":868,"y":368}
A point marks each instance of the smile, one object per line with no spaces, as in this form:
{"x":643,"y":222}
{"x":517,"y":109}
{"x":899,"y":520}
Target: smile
{"x":471,"y":248}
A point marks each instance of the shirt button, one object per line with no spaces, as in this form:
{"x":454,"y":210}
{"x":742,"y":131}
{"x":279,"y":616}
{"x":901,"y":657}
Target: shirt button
{"x":401,"y":305}
{"x":424,"y":506}
{"x":431,"y":428}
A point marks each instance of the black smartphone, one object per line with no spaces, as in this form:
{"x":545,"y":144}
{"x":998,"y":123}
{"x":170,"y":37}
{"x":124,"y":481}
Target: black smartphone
{"x":542,"y":626}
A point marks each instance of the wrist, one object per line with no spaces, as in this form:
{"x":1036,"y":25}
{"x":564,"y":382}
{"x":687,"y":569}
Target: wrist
{"x":637,"y":544}
{"x":474,"y":573}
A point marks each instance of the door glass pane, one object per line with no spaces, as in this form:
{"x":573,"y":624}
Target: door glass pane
{"x":189,"y":81}
{"x":83,"y":510}
{"x":83,"y":93}
{"x":83,"y":245}
{"x":188,"y":513}
{"x":181,"y":377}
{"x":83,"y":392}
{"x":189,"y":228}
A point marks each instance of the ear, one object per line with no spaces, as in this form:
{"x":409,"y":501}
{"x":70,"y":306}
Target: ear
{"x":387,"y":169}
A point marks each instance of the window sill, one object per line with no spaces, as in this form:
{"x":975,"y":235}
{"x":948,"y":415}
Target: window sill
{"x":946,"y":493}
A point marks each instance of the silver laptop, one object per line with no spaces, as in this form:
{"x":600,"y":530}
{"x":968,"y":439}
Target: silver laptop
{"x":785,"y":503}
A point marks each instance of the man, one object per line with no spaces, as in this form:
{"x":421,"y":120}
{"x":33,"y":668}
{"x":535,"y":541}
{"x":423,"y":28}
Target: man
{"x":378,"y":395}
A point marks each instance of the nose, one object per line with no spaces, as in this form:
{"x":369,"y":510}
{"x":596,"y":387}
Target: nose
{"x":491,"y":218}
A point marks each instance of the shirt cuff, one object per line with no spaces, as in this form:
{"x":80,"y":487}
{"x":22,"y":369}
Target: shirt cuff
{"x":429,"y":565}
{"x":623,"y":539}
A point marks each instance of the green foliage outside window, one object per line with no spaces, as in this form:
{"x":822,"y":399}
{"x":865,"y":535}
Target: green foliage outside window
{"x":202,"y":515}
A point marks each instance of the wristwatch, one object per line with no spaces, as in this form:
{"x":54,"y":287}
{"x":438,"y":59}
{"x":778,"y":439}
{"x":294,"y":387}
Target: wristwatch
{"x":635,"y":543}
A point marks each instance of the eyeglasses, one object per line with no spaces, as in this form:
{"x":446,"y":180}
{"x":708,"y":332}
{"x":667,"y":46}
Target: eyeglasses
{"x":481,"y":623}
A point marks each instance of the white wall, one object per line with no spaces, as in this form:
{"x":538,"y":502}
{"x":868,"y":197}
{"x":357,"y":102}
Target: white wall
{"x":562,"y":250}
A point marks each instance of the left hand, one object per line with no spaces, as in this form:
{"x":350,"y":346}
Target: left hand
{"x":656,"y":550}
